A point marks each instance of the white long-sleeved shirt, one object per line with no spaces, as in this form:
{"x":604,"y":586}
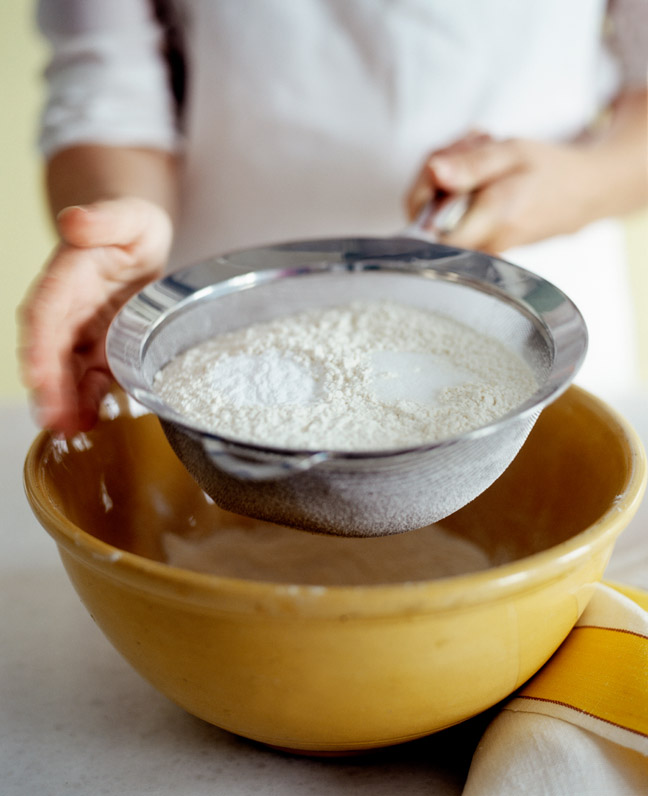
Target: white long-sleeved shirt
{"x":310,"y":118}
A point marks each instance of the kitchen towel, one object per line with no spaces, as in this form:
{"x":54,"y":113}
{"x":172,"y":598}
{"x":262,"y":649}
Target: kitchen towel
{"x":580,"y":725}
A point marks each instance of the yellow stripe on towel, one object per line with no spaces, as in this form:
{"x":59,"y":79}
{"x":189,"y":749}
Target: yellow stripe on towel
{"x":601,"y":672}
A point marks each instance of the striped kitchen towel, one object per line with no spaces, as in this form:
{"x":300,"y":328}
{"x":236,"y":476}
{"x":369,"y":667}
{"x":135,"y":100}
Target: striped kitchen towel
{"x":580,"y":725}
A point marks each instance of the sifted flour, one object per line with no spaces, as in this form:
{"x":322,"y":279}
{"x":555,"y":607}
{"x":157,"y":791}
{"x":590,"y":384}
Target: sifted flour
{"x":364,"y":376}
{"x":239,"y":547}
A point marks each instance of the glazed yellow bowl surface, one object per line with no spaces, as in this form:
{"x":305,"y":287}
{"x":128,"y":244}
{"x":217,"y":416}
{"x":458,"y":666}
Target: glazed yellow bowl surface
{"x":332,"y":668}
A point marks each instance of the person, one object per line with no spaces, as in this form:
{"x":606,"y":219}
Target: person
{"x":176,"y":130}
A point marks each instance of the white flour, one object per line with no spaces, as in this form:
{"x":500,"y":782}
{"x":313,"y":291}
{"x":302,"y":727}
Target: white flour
{"x":239,"y":547}
{"x":364,"y":376}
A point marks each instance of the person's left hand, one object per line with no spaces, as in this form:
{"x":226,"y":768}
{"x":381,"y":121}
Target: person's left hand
{"x":108,"y":251}
{"x":521,"y":190}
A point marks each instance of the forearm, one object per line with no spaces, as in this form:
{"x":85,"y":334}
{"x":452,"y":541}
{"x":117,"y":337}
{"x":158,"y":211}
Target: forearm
{"x":619,"y":157}
{"x":84,"y":174}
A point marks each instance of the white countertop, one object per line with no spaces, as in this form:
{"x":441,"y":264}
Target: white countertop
{"x":76,"y":719}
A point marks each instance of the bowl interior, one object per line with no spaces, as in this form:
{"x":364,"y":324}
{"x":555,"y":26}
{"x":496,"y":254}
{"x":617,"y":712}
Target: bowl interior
{"x":123,"y":484}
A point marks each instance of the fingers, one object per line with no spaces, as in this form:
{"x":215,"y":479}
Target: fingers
{"x":67,"y":407}
{"x":91,"y":390}
{"x":42,"y":330}
{"x":61,"y":331}
{"x":54,"y":400}
{"x":68,"y":390}
{"x":45,"y":371}
{"x":419,"y":196}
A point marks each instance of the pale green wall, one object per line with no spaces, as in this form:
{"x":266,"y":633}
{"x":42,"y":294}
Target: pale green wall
{"x":25,"y":234}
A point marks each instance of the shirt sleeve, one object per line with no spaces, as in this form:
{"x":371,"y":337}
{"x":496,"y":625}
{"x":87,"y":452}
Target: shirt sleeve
{"x":107,"y":80}
{"x":628,"y":40}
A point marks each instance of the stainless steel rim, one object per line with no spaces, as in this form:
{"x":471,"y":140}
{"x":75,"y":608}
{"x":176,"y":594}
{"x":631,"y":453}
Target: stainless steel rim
{"x":145,"y":315}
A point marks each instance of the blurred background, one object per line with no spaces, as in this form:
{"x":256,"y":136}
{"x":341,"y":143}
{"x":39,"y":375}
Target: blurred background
{"x":26,"y":236}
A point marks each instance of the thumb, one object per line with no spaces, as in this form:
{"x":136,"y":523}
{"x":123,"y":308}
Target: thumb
{"x":468,"y":170}
{"x":110,"y":222}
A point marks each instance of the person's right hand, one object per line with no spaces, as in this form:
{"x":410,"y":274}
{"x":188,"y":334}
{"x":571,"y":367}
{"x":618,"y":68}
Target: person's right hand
{"x":108,"y":251}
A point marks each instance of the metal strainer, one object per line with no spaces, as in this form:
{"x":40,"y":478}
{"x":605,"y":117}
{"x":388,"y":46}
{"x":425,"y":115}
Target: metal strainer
{"x":359,"y":493}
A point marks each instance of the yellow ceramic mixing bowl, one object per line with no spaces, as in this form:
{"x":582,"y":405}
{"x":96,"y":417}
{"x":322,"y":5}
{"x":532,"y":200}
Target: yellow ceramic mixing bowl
{"x":333,"y":668}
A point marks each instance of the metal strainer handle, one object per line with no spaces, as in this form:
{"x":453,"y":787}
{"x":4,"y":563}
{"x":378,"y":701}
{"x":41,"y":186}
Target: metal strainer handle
{"x":446,"y":213}
{"x":251,"y":470}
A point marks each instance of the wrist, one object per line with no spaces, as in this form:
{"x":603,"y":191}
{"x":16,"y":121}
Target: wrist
{"x":618,"y":156}
{"x":86,"y":174}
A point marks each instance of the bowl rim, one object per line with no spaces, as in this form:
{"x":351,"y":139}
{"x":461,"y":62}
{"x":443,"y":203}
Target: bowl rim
{"x":421,"y":597}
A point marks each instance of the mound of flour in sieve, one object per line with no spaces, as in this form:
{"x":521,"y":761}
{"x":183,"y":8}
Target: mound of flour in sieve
{"x":363,"y":376}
